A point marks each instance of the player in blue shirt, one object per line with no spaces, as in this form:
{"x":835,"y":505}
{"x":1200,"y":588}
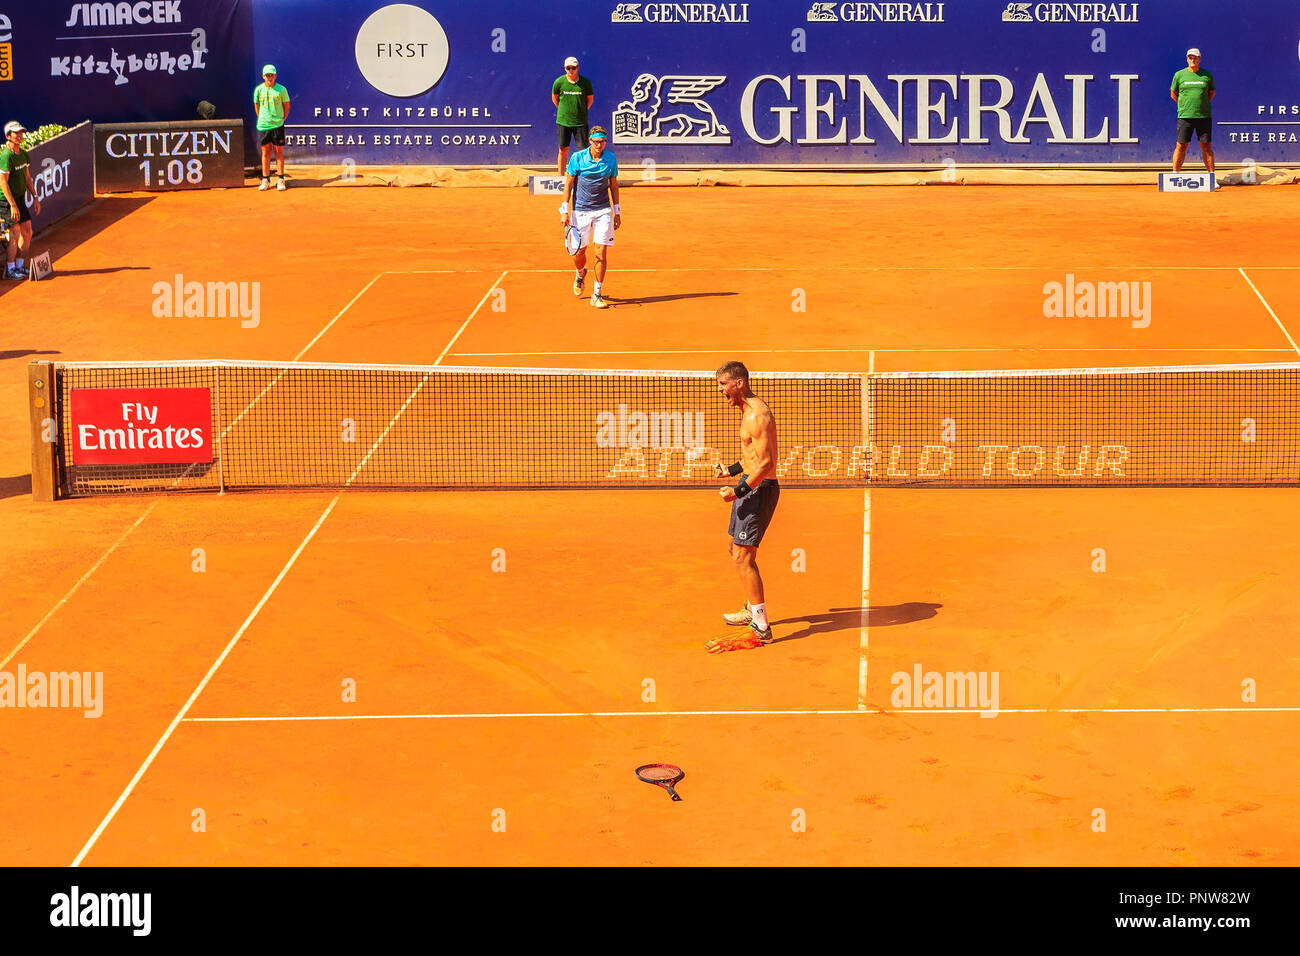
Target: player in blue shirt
{"x":591,"y":191}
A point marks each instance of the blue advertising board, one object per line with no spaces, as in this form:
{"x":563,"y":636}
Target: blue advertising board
{"x":62,"y":175}
{"x":782,"y":82}
{"x":144,"y":60}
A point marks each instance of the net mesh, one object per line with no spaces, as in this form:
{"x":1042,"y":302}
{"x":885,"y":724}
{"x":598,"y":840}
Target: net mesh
{"x":332,"y":426}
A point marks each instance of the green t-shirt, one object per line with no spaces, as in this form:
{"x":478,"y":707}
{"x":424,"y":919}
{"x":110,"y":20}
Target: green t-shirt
{"x":573,"y":100}
{"x":270,"y":102}
{"x":1193,"y":90}
{"x":15,"y":164}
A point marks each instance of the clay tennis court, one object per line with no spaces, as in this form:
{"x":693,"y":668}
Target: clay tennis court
{"x":514,"y":655}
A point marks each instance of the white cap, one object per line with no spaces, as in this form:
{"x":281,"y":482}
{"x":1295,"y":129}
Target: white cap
{"x":571,"y":61}
{"x":13,"y":126}
{"x":1193,"y":52}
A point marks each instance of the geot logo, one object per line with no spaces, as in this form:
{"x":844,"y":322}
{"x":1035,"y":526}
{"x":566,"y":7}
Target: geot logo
{"x":670,"y":110}
{"x":53,"y":178}
{"x":626,"y":13}
{"x":402,"y":50}
{"x":823,"y":13}
{"x":1017,"y":13}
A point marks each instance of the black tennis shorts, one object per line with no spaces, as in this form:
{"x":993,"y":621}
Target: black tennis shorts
{"x":7,"y":213}
{"x":751,"y":514}
{"x":577,"y":133}
{"x":1201,"y":125}
{"x":273,"y":137}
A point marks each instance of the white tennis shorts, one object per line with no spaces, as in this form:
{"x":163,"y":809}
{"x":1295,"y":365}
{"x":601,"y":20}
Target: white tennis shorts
{"x":596,"y":225}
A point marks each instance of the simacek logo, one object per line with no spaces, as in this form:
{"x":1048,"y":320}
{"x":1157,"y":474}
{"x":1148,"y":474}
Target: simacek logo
{"x":680,"y":13}
{"x":670,"y":110}
{"x":876,"y":12}
{"x":402,"y":50}
{"x":142,"y":13}
{"x":1070,"y":13}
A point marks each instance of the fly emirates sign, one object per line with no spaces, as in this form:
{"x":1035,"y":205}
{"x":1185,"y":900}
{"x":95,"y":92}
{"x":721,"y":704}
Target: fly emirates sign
{"x":134,"y":426}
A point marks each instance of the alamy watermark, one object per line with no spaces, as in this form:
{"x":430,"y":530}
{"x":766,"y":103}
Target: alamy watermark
{"x":1084,"y":299}
{"x":126,"y":910}
{"x":208,"y":300}
{"x":945,"y":690}
{"x":629,"y":428}
{"x":82,"y":690}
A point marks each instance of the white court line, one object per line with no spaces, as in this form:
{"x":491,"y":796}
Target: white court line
{"x":73,"y":590}
{"x":864,"y":616}
{"x":303,"y":351}
{"x":466,"y":323}
{"x":330,"y":324}
{"x":94,"y":567}
{"x":180,"y":715}
{"x":1128,"y":266}
{"x":1270,"y":311}
{"x":875,"y":712}
{"x":730,"y":350}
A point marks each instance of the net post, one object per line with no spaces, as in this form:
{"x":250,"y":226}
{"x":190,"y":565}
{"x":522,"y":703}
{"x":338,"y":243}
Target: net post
{"x":42,"y":403}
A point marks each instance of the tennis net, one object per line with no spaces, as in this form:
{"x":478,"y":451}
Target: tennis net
{"x":132,"y":427}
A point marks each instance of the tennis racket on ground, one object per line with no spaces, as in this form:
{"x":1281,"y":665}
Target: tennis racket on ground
{"x":661,"y":775}
{"x":572,"y":239}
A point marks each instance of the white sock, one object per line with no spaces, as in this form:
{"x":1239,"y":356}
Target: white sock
{"x":596,"y":289}
{"x":582,"y":273}
{"x":760,"y":615}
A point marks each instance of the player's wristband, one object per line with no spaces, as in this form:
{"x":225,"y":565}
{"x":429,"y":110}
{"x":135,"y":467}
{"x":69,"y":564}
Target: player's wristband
{"x":616,"y":212}
{"x":564,"y":206}
{"x":735,"y":469}
{"x":742,"y":488}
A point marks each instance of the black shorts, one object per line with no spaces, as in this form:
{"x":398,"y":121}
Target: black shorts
{"x":1201,"y":125}
{"x":7,"y":214}
{"x":751,"y":514}
{"x":273,"y":137}
{"x":577,"y":133}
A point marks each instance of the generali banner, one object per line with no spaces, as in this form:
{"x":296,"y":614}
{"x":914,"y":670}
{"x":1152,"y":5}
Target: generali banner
{"x":782,"y":81}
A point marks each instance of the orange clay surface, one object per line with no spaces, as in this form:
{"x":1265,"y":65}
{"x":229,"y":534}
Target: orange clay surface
{"x":499,"y":713}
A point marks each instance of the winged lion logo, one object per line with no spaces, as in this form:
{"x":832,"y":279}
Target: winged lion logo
{"x":670,"y":109}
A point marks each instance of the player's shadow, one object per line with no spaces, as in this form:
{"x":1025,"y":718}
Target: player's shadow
{"x":23,"y":353}
{"x":650,"y":299}
{"x":850,"y":618}
{"x":13,"y":487}
{"x":96,"y":272}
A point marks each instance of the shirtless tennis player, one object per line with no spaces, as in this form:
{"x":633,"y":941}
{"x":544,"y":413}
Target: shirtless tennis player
{"x":753,"y":499}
